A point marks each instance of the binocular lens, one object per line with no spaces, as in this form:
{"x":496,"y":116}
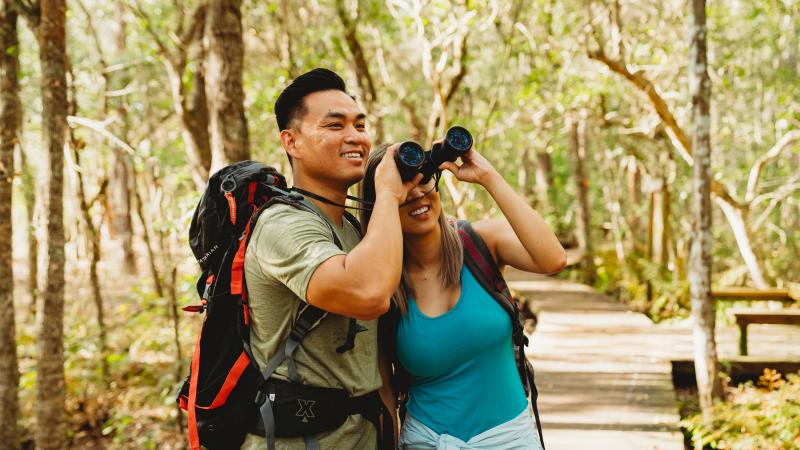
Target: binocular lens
{"x":411,"y":154}
{"x":459,"y":139}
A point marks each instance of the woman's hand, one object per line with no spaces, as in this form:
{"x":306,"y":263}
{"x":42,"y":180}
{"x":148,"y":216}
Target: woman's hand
{"x":474,"y":168}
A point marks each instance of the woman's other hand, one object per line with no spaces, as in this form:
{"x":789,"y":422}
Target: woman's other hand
{"x":474,"y":168}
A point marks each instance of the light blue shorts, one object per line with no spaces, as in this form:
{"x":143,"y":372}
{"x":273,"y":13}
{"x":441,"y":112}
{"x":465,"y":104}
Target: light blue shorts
{"x":516,"y":434}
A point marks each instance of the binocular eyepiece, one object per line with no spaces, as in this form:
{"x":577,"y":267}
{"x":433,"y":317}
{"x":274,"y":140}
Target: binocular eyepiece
{"x":411,"y":159}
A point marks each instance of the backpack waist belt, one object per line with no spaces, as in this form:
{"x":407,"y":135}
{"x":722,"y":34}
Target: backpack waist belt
{"x":300,"y":410}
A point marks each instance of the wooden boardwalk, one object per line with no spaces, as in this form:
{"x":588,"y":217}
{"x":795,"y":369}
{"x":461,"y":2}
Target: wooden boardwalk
{"x":604,"y":381}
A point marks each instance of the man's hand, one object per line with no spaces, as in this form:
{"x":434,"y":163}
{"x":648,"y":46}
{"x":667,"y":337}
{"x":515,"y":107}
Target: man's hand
{"x":387,"y":177}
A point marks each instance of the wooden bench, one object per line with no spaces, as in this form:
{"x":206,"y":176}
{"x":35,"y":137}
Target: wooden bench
{"x":745,"y":317}
{"x":749,"y":294}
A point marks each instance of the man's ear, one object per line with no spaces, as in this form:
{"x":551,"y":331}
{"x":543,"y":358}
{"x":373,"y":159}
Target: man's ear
{"x":288,"y":141}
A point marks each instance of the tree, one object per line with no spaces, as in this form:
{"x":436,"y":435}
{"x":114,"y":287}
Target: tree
{"x":705,"y":347}
{"x":188,"y":98}
{"x":50,"y":385}
{"x":578,"y":154}
{"x":10,"y":112}
{"x":224,"y":51}
{"x":736,"y":211}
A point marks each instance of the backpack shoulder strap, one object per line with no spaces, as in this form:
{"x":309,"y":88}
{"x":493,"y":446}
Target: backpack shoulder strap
{"x":481,"y":262}
{"x":353,"y":221}
{"x":483,"y":267}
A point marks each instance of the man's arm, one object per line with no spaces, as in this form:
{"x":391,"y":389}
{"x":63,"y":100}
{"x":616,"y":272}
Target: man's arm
{"x":361,"y":283}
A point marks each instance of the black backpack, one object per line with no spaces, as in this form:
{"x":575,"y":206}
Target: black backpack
{"x":224,"y":390}
{"x":481,"y":264}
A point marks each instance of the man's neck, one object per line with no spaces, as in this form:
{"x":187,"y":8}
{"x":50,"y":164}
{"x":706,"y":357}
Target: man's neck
{"x":335,"y":195}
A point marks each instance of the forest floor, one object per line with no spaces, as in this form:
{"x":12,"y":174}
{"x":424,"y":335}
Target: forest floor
{"x":604,"y":372}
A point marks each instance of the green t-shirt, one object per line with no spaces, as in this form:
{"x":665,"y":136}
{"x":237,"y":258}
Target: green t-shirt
{"x":286,"y":247}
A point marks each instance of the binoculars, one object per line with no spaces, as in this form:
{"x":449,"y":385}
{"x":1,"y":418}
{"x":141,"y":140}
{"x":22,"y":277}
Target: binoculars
{"x":411,"y":159}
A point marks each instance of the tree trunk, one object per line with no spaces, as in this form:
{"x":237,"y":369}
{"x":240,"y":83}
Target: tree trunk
{"x":703,"y":315}
{"x":50,"y":386}
{"x":544,"y":178}
{"x":119,"y":183}
{"x":223,"y":72}
{"x":92,"y":236}
{"x":10,"y":114}
{"x":30,"y":193}
{"x":578,"y":151}
{"x":147,"y":240}
{"x":366,"y":83}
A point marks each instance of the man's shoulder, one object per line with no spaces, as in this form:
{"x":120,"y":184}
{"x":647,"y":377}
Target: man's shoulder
{"x":281,"y":217}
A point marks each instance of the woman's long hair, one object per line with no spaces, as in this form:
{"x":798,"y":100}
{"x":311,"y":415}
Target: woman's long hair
{"x":452,"y":252}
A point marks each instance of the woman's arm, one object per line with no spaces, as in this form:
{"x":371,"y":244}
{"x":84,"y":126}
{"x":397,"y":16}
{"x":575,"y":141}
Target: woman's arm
{"x":523,"y":240}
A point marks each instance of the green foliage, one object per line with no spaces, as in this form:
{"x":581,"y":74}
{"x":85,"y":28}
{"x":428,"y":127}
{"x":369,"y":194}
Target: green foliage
{"x":643,"y":284}
{"x":766,"y":415}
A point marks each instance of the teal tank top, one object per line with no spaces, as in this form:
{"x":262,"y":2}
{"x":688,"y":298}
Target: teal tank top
{"x":465,"y":379}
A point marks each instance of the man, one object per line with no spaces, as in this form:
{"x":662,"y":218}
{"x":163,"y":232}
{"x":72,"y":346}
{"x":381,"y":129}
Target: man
{"x":292,"y":258}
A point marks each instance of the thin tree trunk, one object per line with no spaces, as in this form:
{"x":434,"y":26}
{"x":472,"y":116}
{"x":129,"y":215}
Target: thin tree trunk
{"x":223,"y":77}
{"x":120,"y":183}
{"x":147,"y":240}
{"x":50,"y":386}
{"x":705,"y":348}
{"x":366,"y":83}
{"x":578,"y":150}
{"x":173,"y":305}
{"x":189,"y":102}
{"x":10,"y":114}
{"x":30,"y":194}
{"x":92,"y":236}
{"x":544,"y":178}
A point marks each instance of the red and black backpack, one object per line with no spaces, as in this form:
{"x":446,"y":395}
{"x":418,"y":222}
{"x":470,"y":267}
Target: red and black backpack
{"x":223,"y":392}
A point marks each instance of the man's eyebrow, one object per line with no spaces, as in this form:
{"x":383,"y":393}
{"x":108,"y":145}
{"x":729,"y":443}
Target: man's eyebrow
{"x":341,"y":115}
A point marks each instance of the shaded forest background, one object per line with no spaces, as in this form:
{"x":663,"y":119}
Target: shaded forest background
{"x":583,"y":106}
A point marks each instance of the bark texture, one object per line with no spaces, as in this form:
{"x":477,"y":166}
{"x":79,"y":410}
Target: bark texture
{"x":50,"y":388}
{"x":224,"y":65}
{"x":10,"y":113}
{"x":705,"y":348}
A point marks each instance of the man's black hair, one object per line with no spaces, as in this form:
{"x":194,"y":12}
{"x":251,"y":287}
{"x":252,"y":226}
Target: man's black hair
{"x":290,"y":104}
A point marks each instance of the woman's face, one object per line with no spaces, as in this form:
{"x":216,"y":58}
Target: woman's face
{"x":420,"y":214}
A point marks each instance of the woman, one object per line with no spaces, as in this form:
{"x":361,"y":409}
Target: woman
{"x":452,"y":337}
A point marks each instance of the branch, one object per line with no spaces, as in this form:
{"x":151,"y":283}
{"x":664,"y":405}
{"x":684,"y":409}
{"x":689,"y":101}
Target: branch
{"x":777,"y":197}
{"x":675,"y":132}
{"x":100,"y":193}
{"x":100,"y":127}
{"x":783,"y":143}
{"x":455,"y":82}
{"x":95,"y":36}
{"x":646,"y":86}
{"x":137,"y":9}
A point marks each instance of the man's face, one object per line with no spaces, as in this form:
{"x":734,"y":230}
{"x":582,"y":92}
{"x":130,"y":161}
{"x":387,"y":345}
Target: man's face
{"x":330,"y":142}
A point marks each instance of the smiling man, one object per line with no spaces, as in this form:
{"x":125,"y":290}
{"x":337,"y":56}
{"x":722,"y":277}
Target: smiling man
{"x":293,"y":260}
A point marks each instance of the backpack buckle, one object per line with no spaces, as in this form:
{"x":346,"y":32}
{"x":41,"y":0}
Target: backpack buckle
{"x":228,"y":184}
